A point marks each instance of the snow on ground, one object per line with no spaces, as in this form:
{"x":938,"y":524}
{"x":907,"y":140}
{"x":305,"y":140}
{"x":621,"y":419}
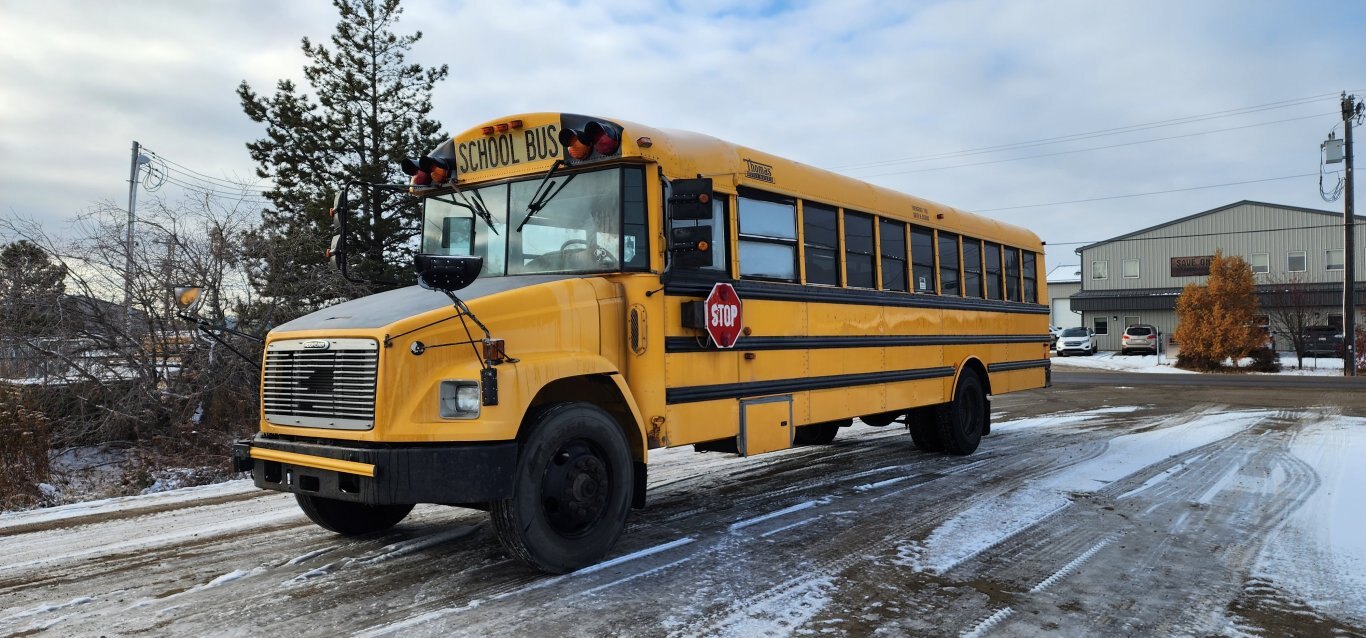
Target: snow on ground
{"x":1320,"y":550}
{"x":1132,"y":452}
{"x":994,"y":520}
{"x":124,"y":503}
{"x":1313,"y":366}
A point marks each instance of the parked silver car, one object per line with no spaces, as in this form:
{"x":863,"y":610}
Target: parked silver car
{"x":1140,"y":337}
{"x":1077,"y":341}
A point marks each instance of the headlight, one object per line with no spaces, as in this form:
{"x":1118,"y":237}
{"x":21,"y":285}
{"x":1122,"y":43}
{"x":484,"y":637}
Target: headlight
{"x":459,"y":400}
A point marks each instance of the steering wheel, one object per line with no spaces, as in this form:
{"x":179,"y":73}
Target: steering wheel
{"x":603,"y":258}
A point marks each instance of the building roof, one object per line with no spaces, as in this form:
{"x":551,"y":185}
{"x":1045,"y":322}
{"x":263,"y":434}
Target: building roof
{"x":1068,"y":274}
{"x":1211,"y":212}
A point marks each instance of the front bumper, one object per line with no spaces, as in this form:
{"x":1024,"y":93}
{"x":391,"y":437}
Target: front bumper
{"x":452,"y":474}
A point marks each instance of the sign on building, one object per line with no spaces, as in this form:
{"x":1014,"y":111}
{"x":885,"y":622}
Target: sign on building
{"x":1191,"y":266}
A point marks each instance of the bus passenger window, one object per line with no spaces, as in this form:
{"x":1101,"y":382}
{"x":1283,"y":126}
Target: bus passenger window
{"x":993,"y":259}
{"x":1012,"y":274}
{"x":768,"y":236}
{"x":1031,"y":279}
{"x":972,"y":267}
{"x":922,"y":260}
{"x":893,"y":249}
{"x":948,"y":264}
{"x":858,"y":250}
{"x":821,"y":232}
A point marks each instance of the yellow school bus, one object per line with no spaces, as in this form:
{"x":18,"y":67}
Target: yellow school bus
{"x":592,"y":289}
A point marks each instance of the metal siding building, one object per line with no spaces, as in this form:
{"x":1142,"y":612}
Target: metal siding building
{"x":1136,"y":278}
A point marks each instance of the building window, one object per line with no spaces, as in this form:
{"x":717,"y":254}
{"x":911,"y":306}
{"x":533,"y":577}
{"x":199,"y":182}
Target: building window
{"x":821,"y":235}
{"x":1100,"y":270}
{"x":768,"y":236}
{"x":992,"y":252}
{"x":893,"y":249}
{"x":1102,"y":326}
{"x":922,"y":260}
{"x":972,"y":267}
{"x":1335,"y":259}
{"x":1031,"y":278}
{"x":1131,"y":269}
{"x":949,"y":274}
{"x":1012,"y":274}
{"x":859,"y":271}
{"x":1297,"y":261}
{"x":1261,"y":263}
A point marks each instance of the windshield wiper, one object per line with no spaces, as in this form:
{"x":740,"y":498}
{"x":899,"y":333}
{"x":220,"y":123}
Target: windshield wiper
{"x":545,"y":192}
{"x":475,"y":206}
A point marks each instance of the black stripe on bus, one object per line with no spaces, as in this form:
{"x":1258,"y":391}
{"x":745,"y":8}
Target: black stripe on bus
{"x":691,"y":394}
{"x":768,"y":291}
{"x":676,"y":345}
{"x":1019,"y":365}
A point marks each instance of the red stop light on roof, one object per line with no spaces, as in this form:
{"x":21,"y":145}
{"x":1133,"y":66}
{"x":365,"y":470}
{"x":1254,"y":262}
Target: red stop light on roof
{"x":595,"y":141}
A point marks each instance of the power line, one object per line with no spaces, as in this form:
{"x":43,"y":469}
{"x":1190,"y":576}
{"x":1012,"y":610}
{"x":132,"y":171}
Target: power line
{"x":1174,"y":190}
{"x":1098,"y":133}
{"x":202,"y":190}
{"x":1097,"y":148}
{"x":190,"y":173}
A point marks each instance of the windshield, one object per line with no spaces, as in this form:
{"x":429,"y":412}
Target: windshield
{"x":578,"y":230}
{"x":1074,"y":332}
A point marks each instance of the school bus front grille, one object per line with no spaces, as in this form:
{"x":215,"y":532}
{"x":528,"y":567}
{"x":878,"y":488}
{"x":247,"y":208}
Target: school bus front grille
{"x":321,"y":383}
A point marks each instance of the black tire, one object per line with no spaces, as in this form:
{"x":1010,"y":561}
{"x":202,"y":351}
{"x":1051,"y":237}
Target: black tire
{"x":920,"y":422}
{"x":961,"y":423}
{"x":881,"y":419}
{"x":351,"y":519}
{"x":572,"y":490}
{"x":819,"y":433}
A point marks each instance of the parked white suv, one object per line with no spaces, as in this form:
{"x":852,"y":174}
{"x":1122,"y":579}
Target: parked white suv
{"x":1140,"y":336}
{"x":1077,"y":341}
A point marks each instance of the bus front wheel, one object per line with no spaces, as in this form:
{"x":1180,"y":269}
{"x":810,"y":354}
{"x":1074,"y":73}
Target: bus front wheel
{"x":572,"y":490}
{"x":351,"y":519}
{"x":961,"y":422}
{"x":921,"y":423}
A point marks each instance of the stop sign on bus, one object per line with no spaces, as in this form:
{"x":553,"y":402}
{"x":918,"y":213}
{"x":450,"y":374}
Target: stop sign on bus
{"x":723,"y":312}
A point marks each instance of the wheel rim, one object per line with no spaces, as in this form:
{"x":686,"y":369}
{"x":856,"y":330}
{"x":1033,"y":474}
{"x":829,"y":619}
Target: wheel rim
{"x":574,"y":488}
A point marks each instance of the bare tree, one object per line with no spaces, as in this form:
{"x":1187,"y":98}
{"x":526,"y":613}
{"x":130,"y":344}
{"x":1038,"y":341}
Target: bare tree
{"x":108,"y":372}
{"x":1287,"y":305}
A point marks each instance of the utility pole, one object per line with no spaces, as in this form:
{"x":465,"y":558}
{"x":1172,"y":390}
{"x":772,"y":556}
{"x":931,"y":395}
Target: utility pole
{"x":1351,"y":108}
{"x":136,"y":164}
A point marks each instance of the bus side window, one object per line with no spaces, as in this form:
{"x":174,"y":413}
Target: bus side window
{"x":860,"y":271}
{"x":1012,"y":274}
{"x":634,"y":231}
{"x":768,"y":235}
{"x":948,"y":264}
{"x":972,"y":267}
{"x":822,"y":244}
{"x":1031,"y":279}
{"x":993,"y":259}
{"x":893,"y":249}
{"x":922,"y":260}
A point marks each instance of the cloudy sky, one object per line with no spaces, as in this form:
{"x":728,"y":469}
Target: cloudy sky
{"x":1079,"y":120}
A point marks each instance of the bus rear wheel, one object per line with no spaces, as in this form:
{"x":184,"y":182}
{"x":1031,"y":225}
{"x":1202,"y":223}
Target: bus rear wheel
{"x":819,"y":433}
{"x":572,"y":490}
{"x":351,"y":519}
{"x":960,"y":424}
{"x":921,"y":423}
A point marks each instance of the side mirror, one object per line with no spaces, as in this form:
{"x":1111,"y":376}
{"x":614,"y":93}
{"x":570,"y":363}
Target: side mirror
{"x":691,"y":246}
{"x":448,"y":273}
{"x":187,"y":298}
{"x":690,"y":199}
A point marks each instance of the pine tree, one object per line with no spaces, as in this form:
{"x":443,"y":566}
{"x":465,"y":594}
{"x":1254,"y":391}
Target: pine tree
{"x":31,"y":287}
{"x":1216,"y":321}
{"x":370,"y":112}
